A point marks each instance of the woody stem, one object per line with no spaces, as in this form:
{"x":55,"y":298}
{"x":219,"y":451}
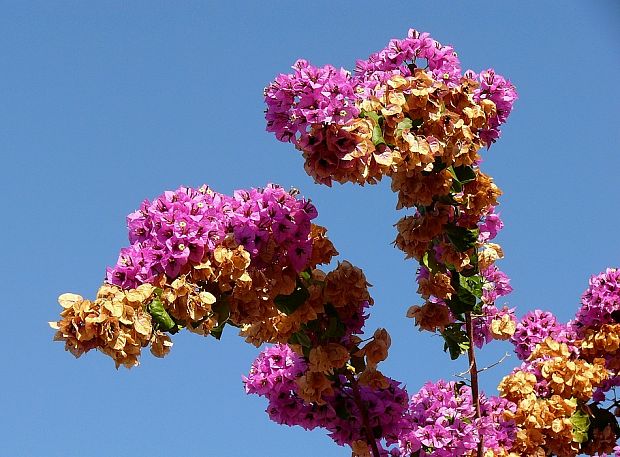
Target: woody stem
{"x":473,"y":373}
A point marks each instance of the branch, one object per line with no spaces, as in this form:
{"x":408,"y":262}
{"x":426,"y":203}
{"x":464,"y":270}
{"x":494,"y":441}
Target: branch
{"x":473,"y":373}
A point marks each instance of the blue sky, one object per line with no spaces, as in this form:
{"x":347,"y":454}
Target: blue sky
{"x":106,"y":103}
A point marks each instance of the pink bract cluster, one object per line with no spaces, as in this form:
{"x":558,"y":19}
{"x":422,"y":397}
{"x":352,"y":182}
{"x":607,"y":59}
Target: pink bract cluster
{"x":274,"y":375}
{"x":174,"y":231}
{"x":311,"y":95}
{"x":534,"y":328}
{"x":326,"y":95}
{"x":441,"y":422}
{"x":500,"y":91}
{"x":600,"y":303}
{"x":400,"y":56}
{"x":490,"y":226}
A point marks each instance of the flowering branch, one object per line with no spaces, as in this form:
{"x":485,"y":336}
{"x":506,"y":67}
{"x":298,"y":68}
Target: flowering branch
{"x":201,"y":261}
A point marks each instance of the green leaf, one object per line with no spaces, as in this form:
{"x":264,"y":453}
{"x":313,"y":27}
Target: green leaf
{"x":464,"y":174}
{"x":462,"y":238}
{"x":429,"y":261}
{"x":405,"y":124}
{"x":222,"y":309}
{"x":335,"y":328}
{"x":581,"y":425}
{"x":300,"y":338}
{"x":472,"y":284}
{"x":461,"y":175}
{"x":438,"y":165}
{"x":305,"y":275}
{"x":456,"y":341}
{"x":456,"y":184}
{"x":377,"y":135}
{"x":216,"y":332}
{"x":160,"y":315}
{"x":371,"y":115}
{"x":417,"y":123}
{"x":466,"y":293}
{"x":288,"y":304}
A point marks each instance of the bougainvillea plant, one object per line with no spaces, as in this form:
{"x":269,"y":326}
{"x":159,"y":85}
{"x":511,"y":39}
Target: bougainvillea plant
{"x":199,"y":260}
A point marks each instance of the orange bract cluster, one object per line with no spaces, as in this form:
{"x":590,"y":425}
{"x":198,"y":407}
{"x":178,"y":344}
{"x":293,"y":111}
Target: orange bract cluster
{"x":223,"y":289}
{"x":550,"y":395}
{"x":344,"y":288}
{"x":345,"y":153}
{"x":116,"y":323}
{"x":603,"y":341}
{"x":415,"y":127}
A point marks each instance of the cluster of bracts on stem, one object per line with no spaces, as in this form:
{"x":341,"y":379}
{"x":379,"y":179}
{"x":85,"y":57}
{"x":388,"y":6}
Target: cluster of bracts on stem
{"x":200,"y":261}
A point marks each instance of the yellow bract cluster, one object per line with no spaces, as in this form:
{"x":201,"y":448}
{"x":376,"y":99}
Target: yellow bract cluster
{"x":431,"y":316}
{"x":503,"y":328}
{"x":567,"y":375}
{"x":224,"y":288}
{"x":115,"y":323}
{"x":544,"y":422}
{"x":604,"y":340}
{"x":345,"y":153}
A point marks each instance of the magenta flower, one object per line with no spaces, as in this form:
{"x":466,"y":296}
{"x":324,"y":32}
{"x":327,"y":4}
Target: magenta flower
{"x":179,"y":228}
{"x":534,"y":328}
{"x":600,"y":303}
{"x":496,"y":284}
{"x":490,"y":226}
{"x":441,"y":422}
{"x":311,"y":95}
{"x":500,"y":91}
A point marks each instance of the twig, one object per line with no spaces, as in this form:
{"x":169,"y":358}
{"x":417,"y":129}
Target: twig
{"x":506,"y":355}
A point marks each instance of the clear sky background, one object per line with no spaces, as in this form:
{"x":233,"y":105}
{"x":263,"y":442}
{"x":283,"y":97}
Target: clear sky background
{"x":103,"y":104}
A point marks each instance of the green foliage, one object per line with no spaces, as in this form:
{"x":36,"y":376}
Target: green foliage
{"x":581,"y":424}
{"x":462,"y":238}
{"x":288,"y":304}
{"x":456,"y":340}
{"x":222,"y":308}
{"x":467,"y":292}
{"x":160,"y":316}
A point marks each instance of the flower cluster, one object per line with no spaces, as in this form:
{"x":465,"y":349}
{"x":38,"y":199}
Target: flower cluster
{"x":174,"y":232}
{"x":494,"y":324}
{"x":568,"y":371}
{"x":393,"y":116}
{"x":534,"y":328}
{"x":550,"y":392}
{"x":319,"y":391}
{"x":200,"y":260}
{"x":597,"y":324}
{"x":501,"y":92}
{"x":441,"y":422}
{"x":310,"y":95}
{"x":403,"y":56}
{"x":420,"y":121}
{"x":115,"y":323}
{"x":327,"y":376}
{"x":600,"y":303}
